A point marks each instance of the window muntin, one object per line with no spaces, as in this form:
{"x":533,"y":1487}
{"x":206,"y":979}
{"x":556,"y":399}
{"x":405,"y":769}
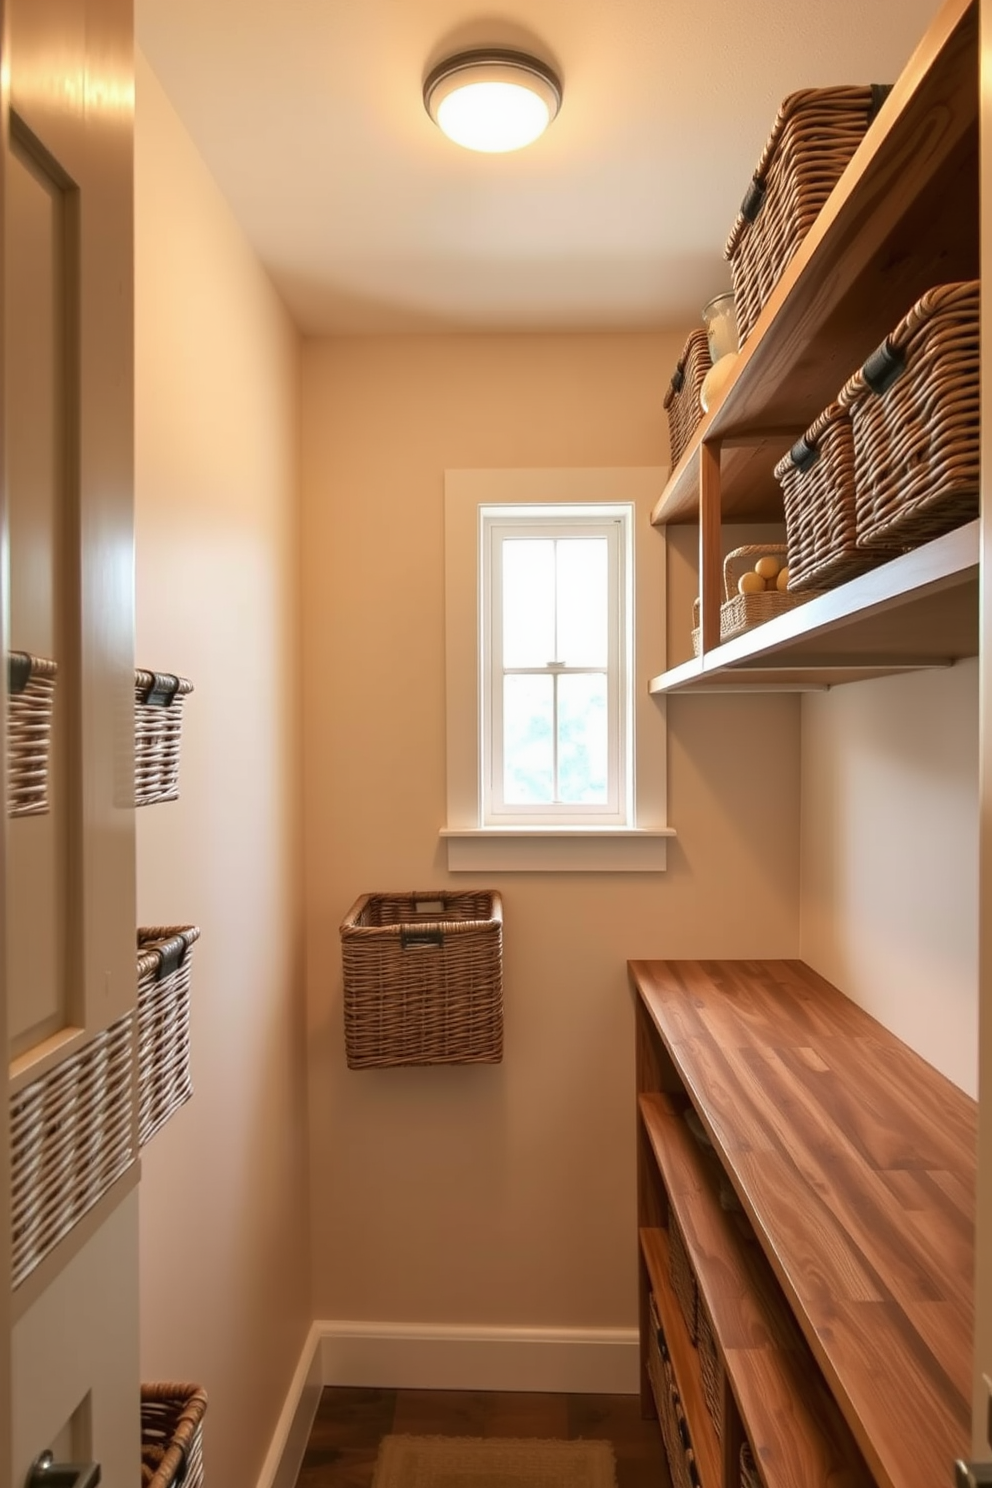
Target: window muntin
{"x":556,"y":641}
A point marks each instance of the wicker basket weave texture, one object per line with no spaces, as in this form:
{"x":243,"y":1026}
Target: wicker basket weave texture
{"x":742,"y":612}
{"x":164,"y":1081}
{"x":681,"y":1275}
{"x":671,"y":1416}
{"x":423,"y":979}
{"x":29,"y":732}
{"x":70,"y":1140}
{"x":818,"y":487}
{"x":158,"y":724}
{"x":682,"y":400}
{"x":916,"y":440}
{"x":172,"y":1435}
{"x":814,"y":136}
{"x":749,"y":1472}
{"x":710,"y":1366}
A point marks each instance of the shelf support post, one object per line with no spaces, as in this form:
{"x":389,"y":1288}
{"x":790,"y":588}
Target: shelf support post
{"x":710,"y":558}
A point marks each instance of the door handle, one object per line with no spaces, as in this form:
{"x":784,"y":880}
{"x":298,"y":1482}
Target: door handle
{"x":973,"y":1475}
{"x":47,"y":1473}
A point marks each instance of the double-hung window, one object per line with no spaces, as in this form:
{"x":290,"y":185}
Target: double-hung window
{"x":554,"y":623}
{"x":556,"y":640}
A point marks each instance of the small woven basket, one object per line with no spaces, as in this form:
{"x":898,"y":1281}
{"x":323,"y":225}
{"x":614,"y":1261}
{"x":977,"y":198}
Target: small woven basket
{"x":915,"y":415}
{"x":814,"y":136}
{"x":31,"y":699}
{"x":818,"y":488}
{"x":741,"y":612}
{"x":158,"y":725}
{"x":671,"y":1416}
{"x":164,"y":1082}
{"x":682,"y":398}
{"x":423,"y":979}
{"x":749,"y":1473}
{"x":172,"y":1435}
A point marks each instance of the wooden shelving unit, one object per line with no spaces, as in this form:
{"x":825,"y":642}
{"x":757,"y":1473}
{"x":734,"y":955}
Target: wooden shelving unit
{"x":903,"y":217}
{"x":841,"y":1299}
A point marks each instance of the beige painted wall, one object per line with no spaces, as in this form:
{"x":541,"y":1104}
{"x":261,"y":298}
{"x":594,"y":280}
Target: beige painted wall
{"x":224,"y":1235}
{"x":501,"y":1195}
{"x":890,"y":856}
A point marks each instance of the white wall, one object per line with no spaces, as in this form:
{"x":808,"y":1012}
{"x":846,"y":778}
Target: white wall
{"x":225,"y":1296}
{"x":889,"y":907}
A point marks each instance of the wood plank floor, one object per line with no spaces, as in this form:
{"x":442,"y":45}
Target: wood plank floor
{"x":350,"y":1424}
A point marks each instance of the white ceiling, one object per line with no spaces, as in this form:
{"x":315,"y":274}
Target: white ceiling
{"x":309,"y":115}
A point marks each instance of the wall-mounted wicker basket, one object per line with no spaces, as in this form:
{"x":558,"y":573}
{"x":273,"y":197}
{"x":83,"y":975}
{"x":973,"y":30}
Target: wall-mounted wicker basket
{"x":31,"y":700}
{"x":172,"y":1435}
{"x":915,"y":416}
{"x":423,"y":979}
{"x":165,"y":957}
{"x":682,"y":402}
{"x":814,"y":136}
{"x":158,"y":724}
{"x":742,"y":612}
{"x":70,"y":1140}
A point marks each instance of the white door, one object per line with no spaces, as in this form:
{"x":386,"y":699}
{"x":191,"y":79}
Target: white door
{"x":69,"y":1362}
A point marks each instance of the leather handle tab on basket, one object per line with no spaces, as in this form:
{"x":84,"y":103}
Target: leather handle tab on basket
{"x":678,"y":378}
{"x":162,"y":690}
{"x":884,"y":367}
{"x":171,"y":954}
{"x":18,"y":672}
{"x":754,"y":200}
{"x":804,"y":455}
{"x":879,"y":93}
{"x":410,"y":938}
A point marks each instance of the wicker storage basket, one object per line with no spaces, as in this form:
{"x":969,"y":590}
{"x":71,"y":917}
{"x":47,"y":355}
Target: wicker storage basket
{"x":172,"y":1436}
{"x":671,"y":1417}
{"x":814,"y":136}
{"x":914,"y":410}
{"x":749,"y":1473}
{"x":741,"y":612}
{"x":164,"y":1082}
{"x":31,"y":689}
{"x":682,"y":398}
{"x":158,"y":724}
{"x":423,"y":979}
{"x":710,"y":1366}
{"x":818,"y":487}
{"x":681,"y":1274}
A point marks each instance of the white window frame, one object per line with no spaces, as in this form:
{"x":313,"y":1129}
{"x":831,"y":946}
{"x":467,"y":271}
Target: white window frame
{"x":474,"y":845}
{"x":504,"y":523}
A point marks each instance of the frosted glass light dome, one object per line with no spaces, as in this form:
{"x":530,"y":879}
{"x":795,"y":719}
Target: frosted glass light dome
{"x":493,"y":101}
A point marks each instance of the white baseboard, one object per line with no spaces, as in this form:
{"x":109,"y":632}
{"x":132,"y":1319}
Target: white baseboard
{"x":411,"y":1356}
{"x":424,"y":1357}
{"x":289,"y":1440}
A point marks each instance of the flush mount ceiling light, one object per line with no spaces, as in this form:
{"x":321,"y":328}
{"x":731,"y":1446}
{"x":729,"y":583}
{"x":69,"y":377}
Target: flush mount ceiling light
{"x":492,"y":100}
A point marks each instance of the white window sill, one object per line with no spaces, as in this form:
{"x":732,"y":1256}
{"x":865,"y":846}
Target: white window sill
{"x":557,"y":849}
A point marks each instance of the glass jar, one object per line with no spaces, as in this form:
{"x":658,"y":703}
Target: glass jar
{"x":720,"y":320}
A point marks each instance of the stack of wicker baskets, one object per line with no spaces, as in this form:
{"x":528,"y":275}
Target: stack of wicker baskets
{"x":813,"y":138}
{"x":894,"y":461}
{"x":682,"y":400}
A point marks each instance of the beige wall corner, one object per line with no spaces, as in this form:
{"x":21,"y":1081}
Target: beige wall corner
{"x":497,"y":1196}
{"x":224,"y":1266}
{"x":890,"y":856}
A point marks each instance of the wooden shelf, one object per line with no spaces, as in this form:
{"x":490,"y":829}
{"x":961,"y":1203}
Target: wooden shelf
{"x":795,"y":1430}
{"x":919,"y":610}
{"x":685,"y":1360}
{"x":903,"y":217}
{"x":855,"y":1162}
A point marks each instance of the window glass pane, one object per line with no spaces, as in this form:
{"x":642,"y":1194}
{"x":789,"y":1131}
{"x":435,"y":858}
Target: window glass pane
{"x":582,"y":613}
{"x":528,"y":602}
{"x":528,"y":751}
{"x":582,"y":740}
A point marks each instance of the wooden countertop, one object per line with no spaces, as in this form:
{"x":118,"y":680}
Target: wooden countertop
{"x":855,"y":1161}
